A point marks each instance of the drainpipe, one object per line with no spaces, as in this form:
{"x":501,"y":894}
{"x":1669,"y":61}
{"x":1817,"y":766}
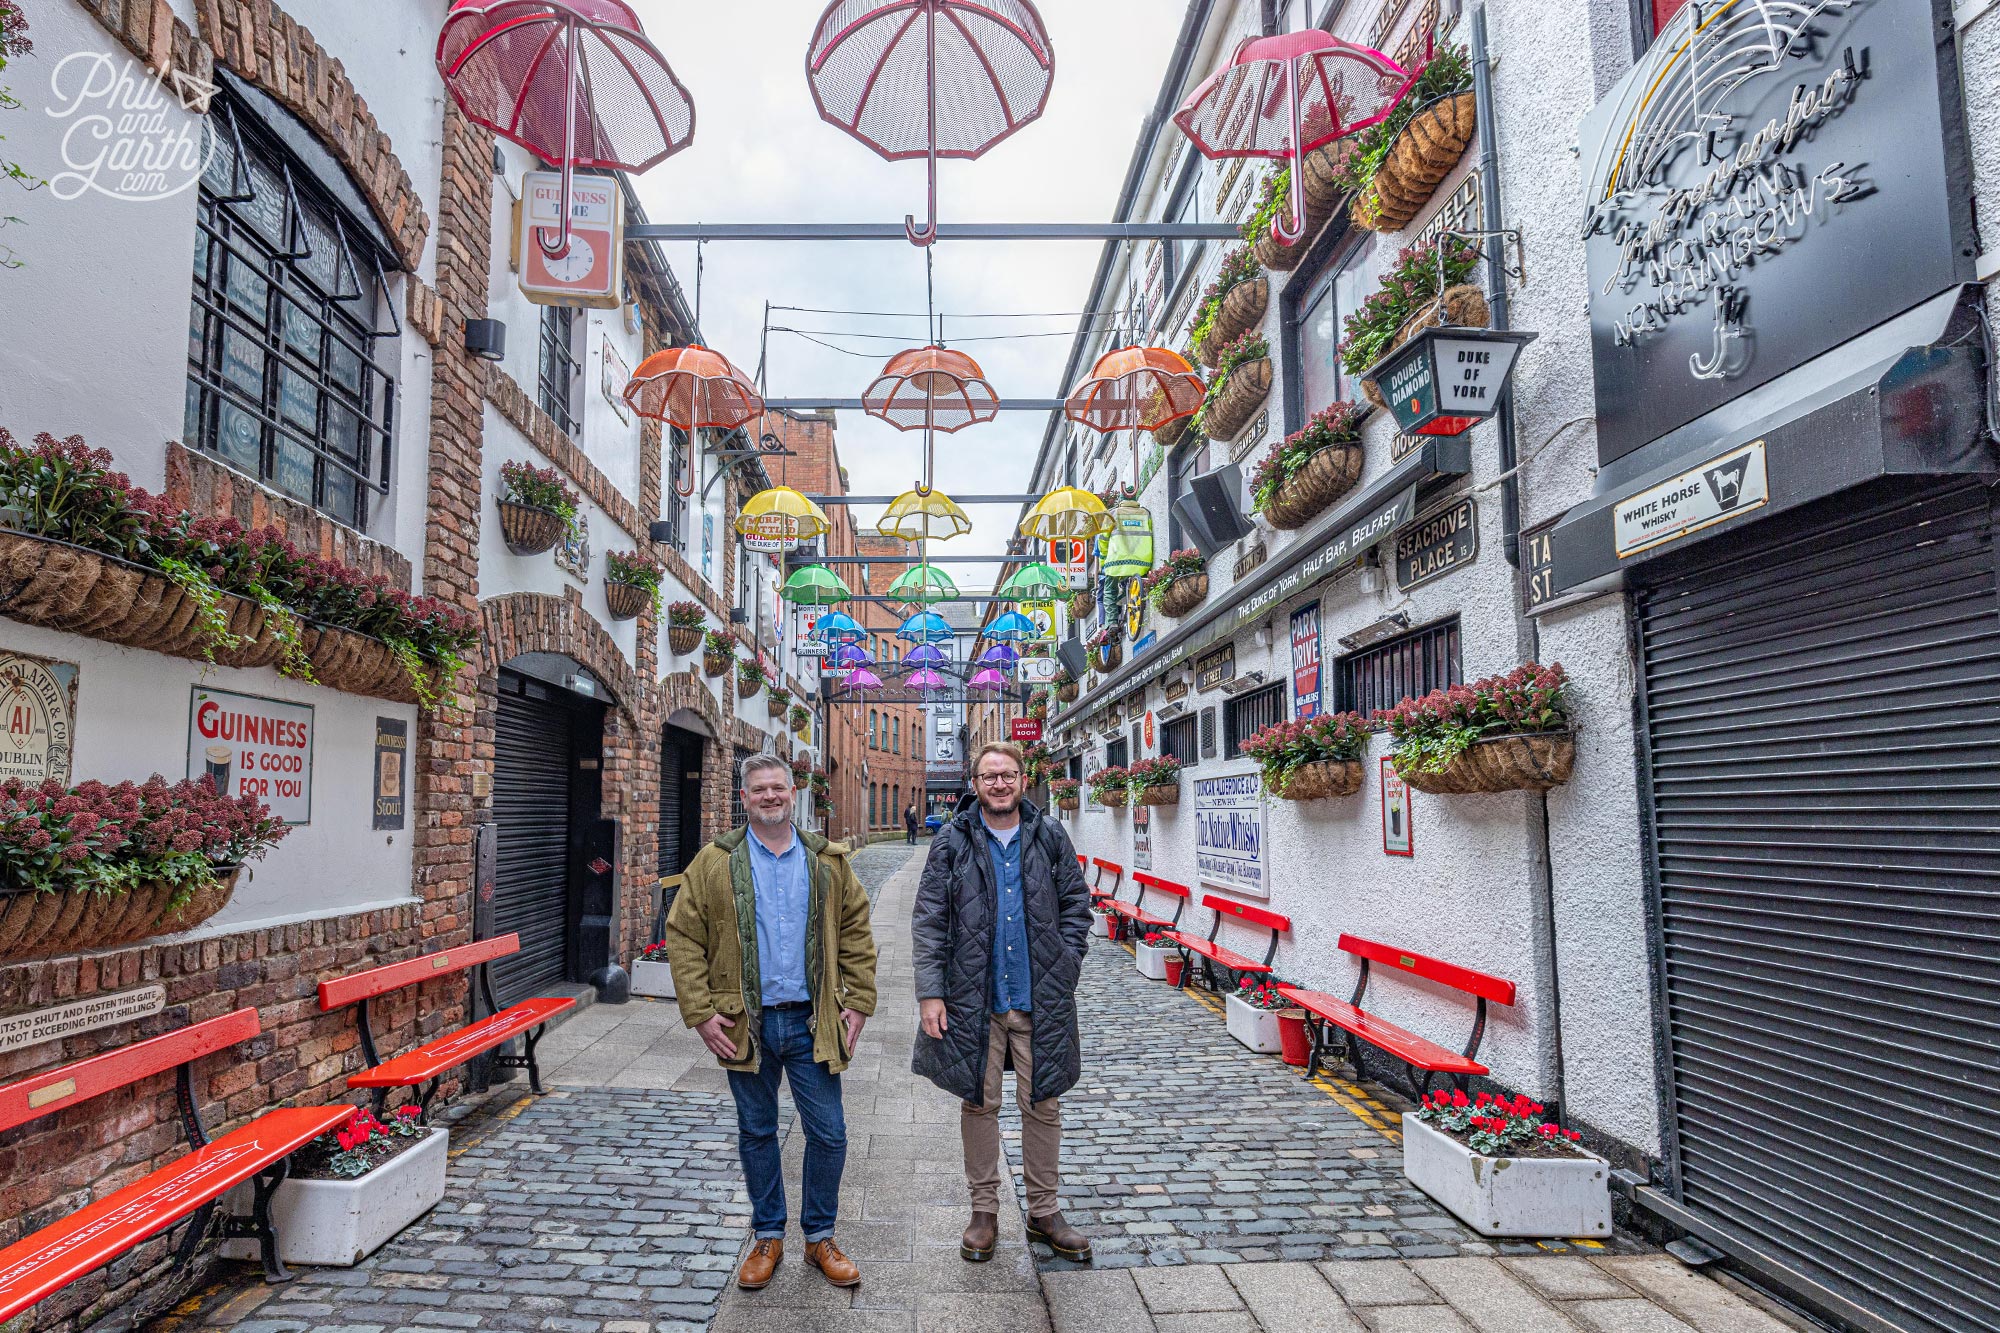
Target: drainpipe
{"x":1527,"y":635}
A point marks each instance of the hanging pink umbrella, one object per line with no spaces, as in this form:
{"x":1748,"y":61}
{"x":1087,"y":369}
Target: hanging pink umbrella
{"x":575,"y":82}
{"x":883,"y":70}
{"x":1281,"y":97}
{"x":925,"y":679}
{"x":987,"y":678}
{"x":860,"y":680}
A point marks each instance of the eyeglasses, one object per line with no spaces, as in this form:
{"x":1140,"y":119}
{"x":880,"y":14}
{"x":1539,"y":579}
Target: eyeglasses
{"x":998,"y":779}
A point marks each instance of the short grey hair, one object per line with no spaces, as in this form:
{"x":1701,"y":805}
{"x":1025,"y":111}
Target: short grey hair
{"x":754,"y":763}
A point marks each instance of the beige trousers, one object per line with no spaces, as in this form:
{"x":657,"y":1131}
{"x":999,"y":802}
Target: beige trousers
{"x":1041,"y":1124}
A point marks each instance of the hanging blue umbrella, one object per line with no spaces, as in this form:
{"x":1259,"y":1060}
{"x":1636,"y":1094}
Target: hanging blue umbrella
{"x":838,"y":627}
{"x":925,"y":655}
{"x":1001,"y":654}
{"x":927,"y":627}
{"x":1012,"y":626}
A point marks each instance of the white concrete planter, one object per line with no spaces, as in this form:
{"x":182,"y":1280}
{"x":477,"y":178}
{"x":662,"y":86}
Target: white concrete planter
{"x":1100,"y":925}
{"x":338,"y":1223}
{"x":1254,"y":1027}
{"x":653,"y":978}
{"x":1152,"y":962}
{"x":1509,"y":1196}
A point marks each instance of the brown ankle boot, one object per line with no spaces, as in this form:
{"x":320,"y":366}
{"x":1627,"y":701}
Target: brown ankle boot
{"x":979,"y":1239}
{"x":827,"y":1258}
{"x":760,"y":1264}
{"x":1060,"y":1236}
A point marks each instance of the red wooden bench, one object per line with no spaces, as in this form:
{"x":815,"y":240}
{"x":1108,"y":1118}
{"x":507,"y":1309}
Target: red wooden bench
{"x":1213,"y":955}
{"x":1097,"y":889}
{"x":41,"y":1264}
{"x":1324,"y":1012}
{"x":1135,"y":911}
{"x":425,"y":1067}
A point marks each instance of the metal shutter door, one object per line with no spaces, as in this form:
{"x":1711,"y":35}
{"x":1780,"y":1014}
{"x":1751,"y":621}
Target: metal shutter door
{"x":1822,"y":708}
{"x":531,"y":773}
{"x":673,"y":762}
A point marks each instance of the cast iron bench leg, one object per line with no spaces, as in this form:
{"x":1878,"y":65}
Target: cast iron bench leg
{"x":258,"y":1224}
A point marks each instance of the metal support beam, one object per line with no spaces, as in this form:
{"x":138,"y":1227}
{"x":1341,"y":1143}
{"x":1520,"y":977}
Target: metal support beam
{"x":855,"y":405}
{"x":959,"y":499}
{"x":927,"y":560}
{"x":948,"y":231}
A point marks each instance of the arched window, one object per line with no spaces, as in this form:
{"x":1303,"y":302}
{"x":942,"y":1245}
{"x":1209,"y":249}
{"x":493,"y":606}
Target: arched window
{"x":872,"y":790}
{"x":896,"y":803}
{"x":871,"y":728}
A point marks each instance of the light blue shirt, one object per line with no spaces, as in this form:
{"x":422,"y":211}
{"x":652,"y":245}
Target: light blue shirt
{"x":1013,"y":987}
{"x":783,"y":899}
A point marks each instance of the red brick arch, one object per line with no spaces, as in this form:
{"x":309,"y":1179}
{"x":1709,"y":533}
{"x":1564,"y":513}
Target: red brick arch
{"x":533,"y":622}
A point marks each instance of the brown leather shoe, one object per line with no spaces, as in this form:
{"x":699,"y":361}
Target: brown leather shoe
{"x":827,"y":1258}
{"x":1060,"y":1236}
{"x":979,"y":1239}
{"x":760,"y":1264}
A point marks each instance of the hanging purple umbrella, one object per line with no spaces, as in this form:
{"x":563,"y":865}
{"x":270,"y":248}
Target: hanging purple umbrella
{"x":987,"y":678}
{"x":859,"y":680}
{"x":926,"y":655}
{"x":1001,"y":654}
{"x":926,"y":679}
{"x":851,"y":655}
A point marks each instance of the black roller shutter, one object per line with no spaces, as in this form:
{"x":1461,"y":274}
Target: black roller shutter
{"x":531,"y":803}
{"x":1822,"y":712}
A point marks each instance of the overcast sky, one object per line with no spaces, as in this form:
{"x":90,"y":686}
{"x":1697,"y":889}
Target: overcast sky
{"x":762,"y":154}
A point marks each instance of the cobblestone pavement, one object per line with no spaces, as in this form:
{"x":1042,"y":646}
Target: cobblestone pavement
{"x":614,"y":1203}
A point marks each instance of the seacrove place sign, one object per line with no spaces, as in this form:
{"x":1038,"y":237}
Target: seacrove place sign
{"x":1770,"y":180}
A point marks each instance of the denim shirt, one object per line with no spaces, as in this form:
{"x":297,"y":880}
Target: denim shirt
{"x":783,"y":899}
{"x":1012,"y":986}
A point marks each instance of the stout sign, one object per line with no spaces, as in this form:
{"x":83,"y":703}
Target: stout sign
{"x":1438,"y":543}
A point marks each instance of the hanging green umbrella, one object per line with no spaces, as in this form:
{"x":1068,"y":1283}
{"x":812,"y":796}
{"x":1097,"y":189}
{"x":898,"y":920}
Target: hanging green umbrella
{"x":815,"y":585}
{"x":922,"y":585}
{"x":1036,"y":582}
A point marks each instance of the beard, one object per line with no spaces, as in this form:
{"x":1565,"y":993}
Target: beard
{"x":1003,"y":804}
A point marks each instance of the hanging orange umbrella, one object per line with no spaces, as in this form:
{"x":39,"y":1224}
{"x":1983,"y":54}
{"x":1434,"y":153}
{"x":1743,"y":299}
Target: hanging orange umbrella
{"x":693,"y":388}
{"x":1135,"y":388}
{"x":931,"y":388}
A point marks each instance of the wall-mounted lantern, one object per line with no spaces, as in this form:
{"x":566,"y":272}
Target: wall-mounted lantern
{"x":1447,"y":380}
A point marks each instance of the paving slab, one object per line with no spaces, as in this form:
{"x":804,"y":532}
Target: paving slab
{"x":1292,"y":1298}
{"x":1186,"y":1290}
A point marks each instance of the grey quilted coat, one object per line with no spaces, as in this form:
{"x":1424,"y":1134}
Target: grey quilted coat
{"x":952,"y":932}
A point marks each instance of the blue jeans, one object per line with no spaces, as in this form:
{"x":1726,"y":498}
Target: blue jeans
{"x":788,"y":1051}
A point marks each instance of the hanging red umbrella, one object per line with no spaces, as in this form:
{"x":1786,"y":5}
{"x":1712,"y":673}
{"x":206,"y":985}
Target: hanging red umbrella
{"x":879,"y":69}
{"x":575,"y":82}
{"x":1282,"y":97}
{"x":1135,"y":388}
{"x":693,"y":387}
{"x":931,"y":388}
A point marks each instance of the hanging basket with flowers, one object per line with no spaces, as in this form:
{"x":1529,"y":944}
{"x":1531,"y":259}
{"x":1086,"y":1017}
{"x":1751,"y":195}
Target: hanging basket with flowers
{"x":1105,"y":649}
{"x":1066,"y":688}
{"x":749,"y":678}
{"x":1428,"y":285}
{"x":800,"y":720}
{"x":537,"y":508}
{"x":1242,"y":382}
{"x":1155,"y":781}
{"x":1313,"y":758}
{"x":776,"y":701}
{"x":631,"y":583}
{"x":1081,"y":605}
{"x":718,"y":653}
{"x":1504,"y":733}
{"x":684,"y":627}
{"x":1178,"y":585}
{"x":1395,"y":165}
{"x":1273,"y":200}
{"x":1107,"y":786}
{"x":1067,"y":793}
{"x":1309,"y":469}
{"x":1233,"y":303}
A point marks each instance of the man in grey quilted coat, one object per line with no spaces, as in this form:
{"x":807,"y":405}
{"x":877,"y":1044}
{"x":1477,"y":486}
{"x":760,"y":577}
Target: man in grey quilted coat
{"x":1001,"y":927}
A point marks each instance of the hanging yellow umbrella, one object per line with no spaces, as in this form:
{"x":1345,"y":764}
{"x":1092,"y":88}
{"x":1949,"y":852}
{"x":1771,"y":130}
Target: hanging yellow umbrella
{"x":1066,"y":512}
{"x":781,"y":514}
{"x":923,"y":514}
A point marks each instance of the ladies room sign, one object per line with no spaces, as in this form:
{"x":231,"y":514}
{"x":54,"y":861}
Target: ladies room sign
{"x":252,"y":746}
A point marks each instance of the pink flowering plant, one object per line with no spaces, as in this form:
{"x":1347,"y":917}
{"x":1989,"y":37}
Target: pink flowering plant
{"x":1161,"y":771}
{"x":1238,"y":267}
{"x":685,"y":615}
{"x":1283,"y":748}
{"x":1177,"y":566}
{"x":109,"y":839}
{"x":1334,"y":424}
{"x":1418,"y":277}
{"x":540,"y":488}
{"x":364,"y":1143}
{"x":1492,"y":1125}
{"x":1430,"y":732}
{"x":1064,"y":789}
{"x":1250,"y":345}
{"x":1106,"y":781}
{"x":635,"y":570}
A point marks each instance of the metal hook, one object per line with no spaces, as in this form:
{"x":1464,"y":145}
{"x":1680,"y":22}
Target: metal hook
{"x":927,"y":234}
{"x":561,"y":247}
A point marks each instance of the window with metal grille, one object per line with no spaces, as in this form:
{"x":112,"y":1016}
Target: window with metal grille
{"x":1114,"y":753}
{"x":738,"y":816}
{"x":1250,"y":713}
{"x":1138,"y":739}
{"x":1403,"y":668}
{"x":874,"y":800}
{"x":1177,"y":738}
{"x":555,"y":368}
{"x":284,"y":380}
{"x":674,"y":505}
{"x":1208,"y":733}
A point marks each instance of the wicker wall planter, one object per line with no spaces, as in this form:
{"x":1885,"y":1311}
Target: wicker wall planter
{"x":1068,"y":693}
{"x":1463,"y":306}
{"x":1165,"y":794}
{"x":44,"y":925}
{"x":1327,"y":778}
{"x":1169,"y":433}
{"x":1081,"y":605}
{"x":626,"y":600}
{"x":714,"y":665}
{"x":1068,"y":802}
{"x":1241,"y":311}
{"x":775,"y":708}
{"x":1114,"y":799}
{"x":1107,"y":659}
{"x":683,"y":639}
{"x":78,"y":591}
{"x":1534,"y":762}
{"x":1323,"y":190}
{"x":1326,"y":476}
{"x":1422,"y":156}
{"x":1183,"y":595}
{"x":1242,"y":394}
{"x":1278,"y":257}
{"x":747,"y":686}
{"x":529,"y":529}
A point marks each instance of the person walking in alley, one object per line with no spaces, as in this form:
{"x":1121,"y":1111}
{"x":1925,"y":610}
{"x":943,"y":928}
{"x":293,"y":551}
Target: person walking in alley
{"x":910,"y":822}
{"x":774,"y":966}
{"x":1000,"y":930}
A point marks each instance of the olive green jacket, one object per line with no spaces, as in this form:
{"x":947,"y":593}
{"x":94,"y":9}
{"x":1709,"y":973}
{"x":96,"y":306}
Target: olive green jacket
{"x":712,"y":946}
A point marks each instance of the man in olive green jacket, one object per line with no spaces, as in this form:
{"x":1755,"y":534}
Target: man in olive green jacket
{"x":774,"y":965}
